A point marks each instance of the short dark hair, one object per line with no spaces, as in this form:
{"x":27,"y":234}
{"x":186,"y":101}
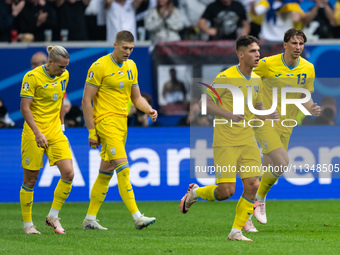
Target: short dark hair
{"x":125,"y":36}
{"x":245,"y":41}
{"x":294,"y":32}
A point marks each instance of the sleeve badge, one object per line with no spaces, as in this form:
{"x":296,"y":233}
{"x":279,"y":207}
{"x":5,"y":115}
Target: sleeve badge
{"x":91,"y":74}
{"x":25,"y":86}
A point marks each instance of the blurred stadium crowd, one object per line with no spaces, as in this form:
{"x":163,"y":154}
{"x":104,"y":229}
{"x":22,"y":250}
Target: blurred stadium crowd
{"x":165,"y":20}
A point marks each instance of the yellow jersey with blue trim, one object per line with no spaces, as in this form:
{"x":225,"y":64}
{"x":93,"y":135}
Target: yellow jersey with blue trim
{"x":230,"y":133}
{"x":114,"y":82}
{"x":275,"y":73}
{"x":47,"y":93}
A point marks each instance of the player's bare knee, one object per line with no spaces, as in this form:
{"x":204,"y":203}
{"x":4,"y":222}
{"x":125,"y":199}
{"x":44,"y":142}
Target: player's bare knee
{"x":71,"y":176}
{"x":30,"y":177}
{"x":286,"y":160}
{"x":231,"y":193}
{"x":31,"y":181}
{"x":68,"y":175}
{"x":282,"y":161}
{"x":223,"y":194}
{"x":251,"y":186}
{"x":253,"y":189}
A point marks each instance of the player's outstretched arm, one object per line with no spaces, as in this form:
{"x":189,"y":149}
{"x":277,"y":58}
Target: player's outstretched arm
{"x":25,"y":108}
{"x":89,"y":94}
{"x":142,"y":104}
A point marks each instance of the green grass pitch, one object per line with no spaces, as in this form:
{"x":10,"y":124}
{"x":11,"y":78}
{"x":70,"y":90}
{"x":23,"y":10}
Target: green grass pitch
{"x":294,"y":227}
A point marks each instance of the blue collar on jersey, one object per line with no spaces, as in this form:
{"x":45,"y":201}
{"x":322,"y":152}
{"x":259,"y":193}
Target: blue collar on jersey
{"x":284,"y":62}
{"x":45,"y":71}
{"x":113,"y":60}
{"x":247,"y":77}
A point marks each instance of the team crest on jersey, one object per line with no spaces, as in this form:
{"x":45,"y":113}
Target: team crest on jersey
{"x":120,"y":73}
{"x":27,"y":160}
{"x":121,"y":85}
{"x":113,"y":151}
{"x":55,"y":96}
{"x":25,"y":86}
{"x":265,"y":144}
{"x":289,"y":75}
{"x":256,"y":89}
{"x":91,"y":74}
{"x":54,"y":83}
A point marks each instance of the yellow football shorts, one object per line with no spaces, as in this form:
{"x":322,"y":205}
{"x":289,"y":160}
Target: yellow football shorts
{"x":112,"y":132}
{"x":244,"y":160}
{"x":270,"y":138}
{"x":32,"y":155}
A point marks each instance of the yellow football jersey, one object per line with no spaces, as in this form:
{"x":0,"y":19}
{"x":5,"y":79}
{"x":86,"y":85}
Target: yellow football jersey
{"x":47,"y":93}
{"x":236,"y":134}
{"x":275,"y":73}
{"x":114,"y":84}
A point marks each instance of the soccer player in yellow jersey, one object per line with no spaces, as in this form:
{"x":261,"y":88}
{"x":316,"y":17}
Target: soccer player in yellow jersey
{"x":42,"y":93}
{"x":283,"y":70}
{"x":111,"y":82}
{"x":234,"y":145}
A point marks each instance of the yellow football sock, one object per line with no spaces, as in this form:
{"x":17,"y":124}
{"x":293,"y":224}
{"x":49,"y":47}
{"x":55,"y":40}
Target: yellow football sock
{"x":26,"y":202}
{"x":61,"y":193}
{"x":268,"y":179}
{"x":125,"y":188}
{"x":244,"y":209}
{"x":207,"y":192}
{"x":98,"y":191}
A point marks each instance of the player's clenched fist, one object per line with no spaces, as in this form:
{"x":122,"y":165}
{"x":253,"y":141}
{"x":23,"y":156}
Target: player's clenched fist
{"x":316,"y":110}
{"x":93,"y":138}
{"x":41,"y":141}
{"x":153,"y":114}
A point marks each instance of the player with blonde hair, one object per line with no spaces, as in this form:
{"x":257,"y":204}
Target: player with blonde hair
{"x":42,"y":94}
